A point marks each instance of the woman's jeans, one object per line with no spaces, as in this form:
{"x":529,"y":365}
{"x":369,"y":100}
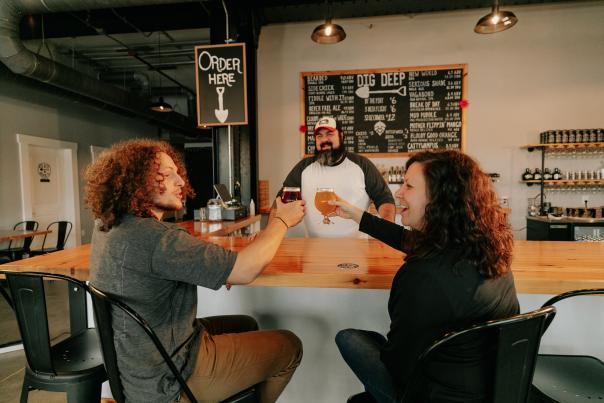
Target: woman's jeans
{"x":361,"y":351}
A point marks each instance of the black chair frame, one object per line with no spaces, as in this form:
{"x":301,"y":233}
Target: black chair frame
{"x":73,"y":365}
{"x":17,"y":253}
{"x":102,"y":303}
{"x":516,"y":344}
{"x":63,"y":232}
{"x":580,"y":377}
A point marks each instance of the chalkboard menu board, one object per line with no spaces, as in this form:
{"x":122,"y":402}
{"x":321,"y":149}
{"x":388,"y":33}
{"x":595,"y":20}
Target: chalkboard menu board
{"x":388,"y":112}
{"x":221,"y":85}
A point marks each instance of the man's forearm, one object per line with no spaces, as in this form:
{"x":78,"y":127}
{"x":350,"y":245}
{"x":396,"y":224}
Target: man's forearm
{"x":253,"y":258}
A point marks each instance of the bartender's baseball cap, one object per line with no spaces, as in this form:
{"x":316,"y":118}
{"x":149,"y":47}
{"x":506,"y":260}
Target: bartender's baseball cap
{"x":326,"y":122}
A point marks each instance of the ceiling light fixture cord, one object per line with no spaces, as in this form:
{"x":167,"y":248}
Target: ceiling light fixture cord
{"x":227,"y":39}
{"x":159,"y":56}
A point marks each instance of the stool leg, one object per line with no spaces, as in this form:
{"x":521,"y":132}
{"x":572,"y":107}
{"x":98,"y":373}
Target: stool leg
{"x":24,"y":390}
{"x":89,"y":392}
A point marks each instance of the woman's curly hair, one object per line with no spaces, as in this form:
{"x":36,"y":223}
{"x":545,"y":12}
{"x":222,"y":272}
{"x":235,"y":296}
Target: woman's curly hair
{"x":124,"y":179}
{"x":463,"y":213}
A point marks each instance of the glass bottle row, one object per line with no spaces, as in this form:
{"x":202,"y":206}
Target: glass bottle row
{"x":572,"y":136}
{"x":396,"y":174}
{"x":557,"y":174}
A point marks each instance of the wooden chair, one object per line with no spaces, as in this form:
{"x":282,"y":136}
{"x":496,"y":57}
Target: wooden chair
{"x":103,"y":304}
{"x":568,"y":378}
{"x":73,"y":365}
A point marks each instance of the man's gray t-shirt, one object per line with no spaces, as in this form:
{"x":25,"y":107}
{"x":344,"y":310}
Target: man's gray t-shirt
{"x":155,"y":268}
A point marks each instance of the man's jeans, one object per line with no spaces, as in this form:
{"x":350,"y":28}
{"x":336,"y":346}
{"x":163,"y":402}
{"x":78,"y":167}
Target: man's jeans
{"x":361,"y":351}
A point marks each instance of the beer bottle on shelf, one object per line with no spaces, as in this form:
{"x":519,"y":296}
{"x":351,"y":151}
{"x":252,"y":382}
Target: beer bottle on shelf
{"x":551,"y":136}
{"x":547,"y":175}
{"x":572,"y":138}
{"x":578,"y":136}
{"x":537,"y":174}
{"x":527,"y":175}
{"x":557,"y":174}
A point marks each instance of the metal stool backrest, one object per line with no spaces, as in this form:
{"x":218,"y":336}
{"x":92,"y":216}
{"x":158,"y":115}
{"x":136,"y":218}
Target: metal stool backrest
{"x":569,"y":294}
{"x":63,"y":230}
{"x":29,"y":303}
{"x":515,"y":343}
{"x":103,"y":304}
{"x":28,"y":226}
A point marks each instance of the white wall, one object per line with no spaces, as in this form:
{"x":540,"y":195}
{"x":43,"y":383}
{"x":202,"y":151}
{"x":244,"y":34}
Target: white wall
{"x":545,"y":73}
{"x":27,"y":108}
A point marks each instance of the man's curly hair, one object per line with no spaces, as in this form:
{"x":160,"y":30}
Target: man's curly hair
{"x":463,"y":213}
{"x":124,"y":179}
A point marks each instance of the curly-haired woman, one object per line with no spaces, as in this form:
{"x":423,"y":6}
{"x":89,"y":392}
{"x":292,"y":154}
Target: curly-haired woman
{"x":155,"y":267}
{"x":458,"y":248}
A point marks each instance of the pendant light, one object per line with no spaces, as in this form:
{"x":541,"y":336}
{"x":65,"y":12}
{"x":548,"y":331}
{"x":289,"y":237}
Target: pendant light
{"x":160,"y":105}
{"x":328,"y":32}
{"x":495,"y":21}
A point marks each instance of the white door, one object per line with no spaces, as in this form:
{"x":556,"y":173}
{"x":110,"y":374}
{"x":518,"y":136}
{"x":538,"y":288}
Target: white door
{"x":47,"y":166}
{"x":49,"y":185}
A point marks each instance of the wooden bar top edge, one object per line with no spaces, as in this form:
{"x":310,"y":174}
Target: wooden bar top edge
{"x":540,"y":267}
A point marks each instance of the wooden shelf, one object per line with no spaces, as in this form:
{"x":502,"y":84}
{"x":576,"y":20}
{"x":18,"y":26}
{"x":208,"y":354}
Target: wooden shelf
{"x":563,"y":146}
{"x":567,"y":182}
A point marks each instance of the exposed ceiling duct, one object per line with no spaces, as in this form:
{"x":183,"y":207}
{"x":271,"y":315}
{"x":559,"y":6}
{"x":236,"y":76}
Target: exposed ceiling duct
{"x":21,"y":60}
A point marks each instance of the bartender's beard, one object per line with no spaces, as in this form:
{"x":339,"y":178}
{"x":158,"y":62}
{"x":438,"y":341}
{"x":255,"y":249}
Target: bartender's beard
{"x":330,"y":156}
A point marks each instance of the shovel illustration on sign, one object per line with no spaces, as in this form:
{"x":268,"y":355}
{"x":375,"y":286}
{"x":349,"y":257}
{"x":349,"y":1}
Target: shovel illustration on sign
{"x":364,"y":92}
{"x":221,"y":114}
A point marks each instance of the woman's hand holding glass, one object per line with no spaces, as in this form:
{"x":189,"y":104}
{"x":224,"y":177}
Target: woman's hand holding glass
{"x":290,"y":213}
{"x":347,"y":210}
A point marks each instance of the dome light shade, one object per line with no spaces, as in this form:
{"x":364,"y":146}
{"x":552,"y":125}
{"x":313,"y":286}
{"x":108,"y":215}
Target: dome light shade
{"x":161,"y":106}
{"x":328,"y":33}
{"x":495,"y":21}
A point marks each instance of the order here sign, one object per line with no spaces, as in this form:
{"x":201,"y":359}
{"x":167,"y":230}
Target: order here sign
{"x":221,"y":85}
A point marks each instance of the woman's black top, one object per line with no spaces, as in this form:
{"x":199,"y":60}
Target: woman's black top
{"x":429,"y":297}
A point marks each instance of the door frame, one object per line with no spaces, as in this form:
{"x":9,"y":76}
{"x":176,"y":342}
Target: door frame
{"x":72,"y":196}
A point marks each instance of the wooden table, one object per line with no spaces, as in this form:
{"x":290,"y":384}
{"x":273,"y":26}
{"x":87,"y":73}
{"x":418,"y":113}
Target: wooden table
{"x":11,"y":235}
{"x":540,"y":267}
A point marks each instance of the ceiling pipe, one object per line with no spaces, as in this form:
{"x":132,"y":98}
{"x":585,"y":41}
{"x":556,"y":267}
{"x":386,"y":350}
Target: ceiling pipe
{"x":22,"y":61}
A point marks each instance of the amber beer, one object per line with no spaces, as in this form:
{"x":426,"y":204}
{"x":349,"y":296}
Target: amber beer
{"x":322,"y":196}
{"x":291,"y":194}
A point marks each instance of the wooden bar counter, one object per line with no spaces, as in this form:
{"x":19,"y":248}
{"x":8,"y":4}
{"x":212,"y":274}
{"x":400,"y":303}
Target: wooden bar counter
{"x":540,"y":267}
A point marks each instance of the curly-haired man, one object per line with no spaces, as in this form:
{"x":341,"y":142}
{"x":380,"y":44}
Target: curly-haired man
{"x":155,"y":267}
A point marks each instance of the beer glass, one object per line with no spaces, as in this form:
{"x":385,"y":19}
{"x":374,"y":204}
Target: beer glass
{"x":323,"y":196}
{"x":290,"y":194}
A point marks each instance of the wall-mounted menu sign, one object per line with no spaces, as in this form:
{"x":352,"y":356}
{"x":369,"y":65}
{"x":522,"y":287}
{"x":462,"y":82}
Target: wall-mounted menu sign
{"x":221,"y":85}
{"x":388,"y":112}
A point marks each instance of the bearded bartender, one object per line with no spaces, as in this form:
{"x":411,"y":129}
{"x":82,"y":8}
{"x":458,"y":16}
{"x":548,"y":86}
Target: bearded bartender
{"x":353,"y":177}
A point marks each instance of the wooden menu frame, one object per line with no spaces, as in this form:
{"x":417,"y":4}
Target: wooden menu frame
{"x":376,"y":71}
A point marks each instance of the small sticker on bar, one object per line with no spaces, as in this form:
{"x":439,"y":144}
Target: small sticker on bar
{"x":348,"y":266}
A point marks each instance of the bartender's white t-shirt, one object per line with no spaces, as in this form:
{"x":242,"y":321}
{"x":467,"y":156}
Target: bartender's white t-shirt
{"x":355,"y":179}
